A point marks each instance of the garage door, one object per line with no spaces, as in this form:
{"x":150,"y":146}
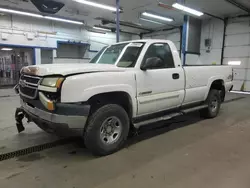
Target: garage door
{"x":237,"y":52}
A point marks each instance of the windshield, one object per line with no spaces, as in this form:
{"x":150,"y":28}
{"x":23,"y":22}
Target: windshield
{"x":110,"y":55}
{"x":94,"y":60}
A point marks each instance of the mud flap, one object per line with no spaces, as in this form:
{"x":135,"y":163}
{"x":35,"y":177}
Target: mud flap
{"x":19,"y":115}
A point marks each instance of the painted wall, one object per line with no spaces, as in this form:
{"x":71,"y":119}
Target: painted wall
{"x":211,"y":29}
{"x":26,"y":31}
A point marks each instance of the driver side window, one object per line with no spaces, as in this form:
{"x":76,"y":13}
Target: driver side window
{"x":163,"y":52}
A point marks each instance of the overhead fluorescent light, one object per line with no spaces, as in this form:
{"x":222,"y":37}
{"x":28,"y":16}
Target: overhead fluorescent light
{"x":63,"y":20}
{"x":6,"y":49}
{"x":151,"y":21}
{"x":187,"y":9}
{"x":234,"y":62}
{"x":20,"y":13}
{"x":157,"y":17}
{"x":101,"y":28}
{"x":98,"y":5}
{"x":38,"y":16}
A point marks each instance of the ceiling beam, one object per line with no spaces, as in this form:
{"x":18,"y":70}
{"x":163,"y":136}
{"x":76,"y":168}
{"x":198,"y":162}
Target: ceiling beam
{"x":113,"y":29}
{"x":239,"y":5}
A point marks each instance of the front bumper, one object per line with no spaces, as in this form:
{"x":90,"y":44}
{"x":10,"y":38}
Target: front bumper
{"x":65,"y":116}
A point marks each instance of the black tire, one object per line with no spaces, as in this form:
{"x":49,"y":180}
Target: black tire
{"x":214,"y":103}
{"x":93,"y":132}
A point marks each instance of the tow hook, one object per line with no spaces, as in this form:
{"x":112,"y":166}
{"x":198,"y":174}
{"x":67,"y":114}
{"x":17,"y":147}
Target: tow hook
{"x":19,"y":115}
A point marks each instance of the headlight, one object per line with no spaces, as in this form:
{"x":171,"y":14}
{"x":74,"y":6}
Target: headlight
{"x":52,"y":82}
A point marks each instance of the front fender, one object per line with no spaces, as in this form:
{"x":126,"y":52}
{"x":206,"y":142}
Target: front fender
{"x":80,"y":88}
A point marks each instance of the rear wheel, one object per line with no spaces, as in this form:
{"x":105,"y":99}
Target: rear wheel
{"x":107,"y":129}
{"x":214,"y":102}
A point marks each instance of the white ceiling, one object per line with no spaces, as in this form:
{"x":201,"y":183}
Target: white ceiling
{"x":132,"y":10}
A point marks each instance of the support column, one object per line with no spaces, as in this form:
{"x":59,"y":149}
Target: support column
{"x":184,"y":39}
{"x":117,"y":20}
{"x":37,"y":56}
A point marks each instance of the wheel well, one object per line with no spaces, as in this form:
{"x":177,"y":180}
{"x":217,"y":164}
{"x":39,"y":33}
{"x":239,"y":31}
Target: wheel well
{"x":121,"y":98}
{"x":219,"y":85}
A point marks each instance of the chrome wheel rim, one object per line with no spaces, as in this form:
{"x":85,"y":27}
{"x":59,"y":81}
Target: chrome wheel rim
{"x":110,"y":130}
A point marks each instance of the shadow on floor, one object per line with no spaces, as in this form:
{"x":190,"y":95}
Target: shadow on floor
{"x":151,"y":130}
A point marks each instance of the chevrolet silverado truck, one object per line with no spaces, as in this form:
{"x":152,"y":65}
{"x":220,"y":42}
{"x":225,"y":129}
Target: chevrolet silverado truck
{"x":125,"y":86}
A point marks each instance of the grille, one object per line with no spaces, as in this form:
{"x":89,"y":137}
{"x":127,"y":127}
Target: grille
{"x":29,"y":79}
{"x":28,"y":91}
{"x":28,"y":86}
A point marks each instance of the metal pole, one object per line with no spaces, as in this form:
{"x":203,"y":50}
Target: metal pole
{"x":181,"y":32}
{"x":117,"y":20}
{"x":184,"y":39}
{"x":223,"y":41}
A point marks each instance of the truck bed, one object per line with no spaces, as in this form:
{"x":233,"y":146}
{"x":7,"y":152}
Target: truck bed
{"x":199,"y":80}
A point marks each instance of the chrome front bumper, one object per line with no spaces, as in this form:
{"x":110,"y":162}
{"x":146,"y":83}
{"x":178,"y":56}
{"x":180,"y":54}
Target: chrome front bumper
{"x":40,"y":116}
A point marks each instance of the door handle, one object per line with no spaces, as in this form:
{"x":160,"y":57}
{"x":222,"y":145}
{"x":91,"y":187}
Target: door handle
{"x":175,"y":76}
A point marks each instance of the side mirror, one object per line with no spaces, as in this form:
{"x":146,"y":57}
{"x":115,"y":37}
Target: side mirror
{"x":152,"y":62}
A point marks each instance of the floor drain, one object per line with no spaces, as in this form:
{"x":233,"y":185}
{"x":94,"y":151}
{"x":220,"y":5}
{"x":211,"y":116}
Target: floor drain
{"x":33,"y":149}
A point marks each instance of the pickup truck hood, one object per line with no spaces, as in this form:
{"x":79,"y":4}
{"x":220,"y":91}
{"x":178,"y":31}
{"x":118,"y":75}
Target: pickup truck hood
{"x":67,"y":69}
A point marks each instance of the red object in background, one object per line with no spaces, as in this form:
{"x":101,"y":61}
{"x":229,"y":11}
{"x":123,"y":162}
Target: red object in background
{"x":13,"y":67}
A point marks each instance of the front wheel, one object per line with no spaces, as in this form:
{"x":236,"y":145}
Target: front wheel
{"x":214,"y":102}
{"x":107,"y":129}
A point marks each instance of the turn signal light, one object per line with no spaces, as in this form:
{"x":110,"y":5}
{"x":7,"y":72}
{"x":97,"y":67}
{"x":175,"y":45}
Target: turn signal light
{"x":50,"y":106}
{"x":59,"y":82}
{"x":46,"y":102}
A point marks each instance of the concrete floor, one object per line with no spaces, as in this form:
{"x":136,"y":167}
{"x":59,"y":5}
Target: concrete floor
{"x":9,"y":139}
{"x":187,"y":152}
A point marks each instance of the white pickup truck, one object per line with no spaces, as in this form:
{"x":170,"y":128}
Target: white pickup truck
{"x":126,"y":85}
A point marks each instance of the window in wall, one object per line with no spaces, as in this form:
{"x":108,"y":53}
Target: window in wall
{"x":46,"y":56}
{"x":73,"y":51}
{"x":163,"y":52}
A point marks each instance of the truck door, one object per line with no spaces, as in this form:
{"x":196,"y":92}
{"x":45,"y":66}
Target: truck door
{"x":160,"y":86}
